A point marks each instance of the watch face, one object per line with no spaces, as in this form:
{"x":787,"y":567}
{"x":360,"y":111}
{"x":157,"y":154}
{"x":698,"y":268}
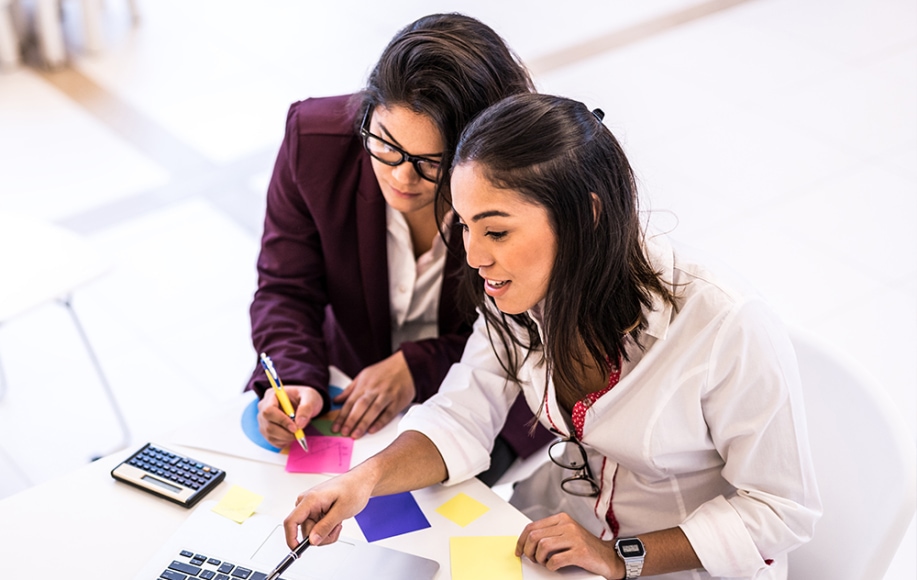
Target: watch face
{"x":631,"y":548}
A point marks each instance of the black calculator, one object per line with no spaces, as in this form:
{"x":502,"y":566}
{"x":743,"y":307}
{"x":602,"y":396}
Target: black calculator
{"x":168,"y":474}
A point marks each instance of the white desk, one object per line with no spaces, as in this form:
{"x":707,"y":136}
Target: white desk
{"x":68,"y":522}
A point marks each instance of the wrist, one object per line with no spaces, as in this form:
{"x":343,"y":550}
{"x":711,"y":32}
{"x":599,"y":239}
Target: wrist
{"x":630,"y":553}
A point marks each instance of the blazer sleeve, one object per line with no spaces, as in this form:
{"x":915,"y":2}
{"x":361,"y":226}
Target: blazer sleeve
{"x":429,"y":361}
{"x":288,"y":307}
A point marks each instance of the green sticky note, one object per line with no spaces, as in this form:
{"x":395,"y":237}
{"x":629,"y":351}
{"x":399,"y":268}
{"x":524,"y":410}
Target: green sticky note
{"x":462,"y":509}
{"x":484,"y":558}
{"x":323,"y":426}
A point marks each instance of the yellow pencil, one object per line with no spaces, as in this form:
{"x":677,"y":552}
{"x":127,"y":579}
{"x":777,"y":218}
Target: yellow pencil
{"x":285,"y":404}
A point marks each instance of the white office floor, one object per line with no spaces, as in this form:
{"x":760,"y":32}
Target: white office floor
{"x":777,"y":135}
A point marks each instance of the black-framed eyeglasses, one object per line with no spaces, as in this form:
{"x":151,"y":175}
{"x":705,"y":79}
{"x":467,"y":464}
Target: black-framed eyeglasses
{"x":570,"y":454}
{"x":392,"y":155}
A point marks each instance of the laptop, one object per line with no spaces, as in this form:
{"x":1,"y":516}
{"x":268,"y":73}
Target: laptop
{"x":213,"y":547}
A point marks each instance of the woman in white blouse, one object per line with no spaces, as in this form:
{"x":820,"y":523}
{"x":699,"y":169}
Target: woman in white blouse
{"x":682,"y":448}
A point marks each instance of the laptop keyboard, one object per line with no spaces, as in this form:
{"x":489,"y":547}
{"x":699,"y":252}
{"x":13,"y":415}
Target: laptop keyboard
{"x":188,"y":565}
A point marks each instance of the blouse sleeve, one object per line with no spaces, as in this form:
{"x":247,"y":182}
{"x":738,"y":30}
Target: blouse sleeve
{"x":754,"y":410}
{"x":464,"y":418}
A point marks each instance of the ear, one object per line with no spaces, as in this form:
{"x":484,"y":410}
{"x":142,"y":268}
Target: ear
{"x":596,"y":209}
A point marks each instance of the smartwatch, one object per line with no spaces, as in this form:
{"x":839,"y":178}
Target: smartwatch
{"x":632,"y":552}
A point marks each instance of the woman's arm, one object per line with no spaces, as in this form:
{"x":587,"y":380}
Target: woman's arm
{"x":287,"y":310}
{"x":558,"y":541}
{"x":410,"y":462}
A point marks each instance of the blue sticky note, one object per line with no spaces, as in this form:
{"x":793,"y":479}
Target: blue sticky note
{"x":391,"y":515}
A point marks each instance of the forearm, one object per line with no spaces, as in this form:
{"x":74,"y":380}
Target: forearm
{"x":411,"y":462}
{"x":666,"y":551}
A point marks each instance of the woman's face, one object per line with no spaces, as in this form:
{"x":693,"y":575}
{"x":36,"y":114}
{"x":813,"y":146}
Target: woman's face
{"x":415,"y":133}
{"x":508,"y":239}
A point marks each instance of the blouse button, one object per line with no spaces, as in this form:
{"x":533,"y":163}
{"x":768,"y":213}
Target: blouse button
{"x":587,"y":402}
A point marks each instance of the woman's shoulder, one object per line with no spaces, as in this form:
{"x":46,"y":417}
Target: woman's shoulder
{"x":332,"y":116}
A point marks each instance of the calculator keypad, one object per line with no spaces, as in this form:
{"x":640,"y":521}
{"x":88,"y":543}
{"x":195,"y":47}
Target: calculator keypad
{"x":169,"y":466}
{"x":169,"y":475}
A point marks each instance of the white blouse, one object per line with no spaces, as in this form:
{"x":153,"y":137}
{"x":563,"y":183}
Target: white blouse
{"x":414,"y":285}
{"x":705,"y":429}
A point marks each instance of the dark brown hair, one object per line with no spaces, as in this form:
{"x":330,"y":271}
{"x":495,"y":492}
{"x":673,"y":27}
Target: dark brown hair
{"x":555,"y":153}
{"x":449,"y":67}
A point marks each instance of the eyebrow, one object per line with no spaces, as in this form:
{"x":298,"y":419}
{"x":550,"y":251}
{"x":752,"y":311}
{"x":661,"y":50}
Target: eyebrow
{"x":486,"y":214}
{"x":400,"y":146}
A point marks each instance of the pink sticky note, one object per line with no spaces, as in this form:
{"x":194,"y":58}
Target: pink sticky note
{"x":326,"y":455}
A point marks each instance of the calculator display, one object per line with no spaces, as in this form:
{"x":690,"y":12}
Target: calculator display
{"x":161,"y":483}
{"x":173,"y":476}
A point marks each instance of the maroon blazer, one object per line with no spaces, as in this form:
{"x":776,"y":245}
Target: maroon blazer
{"x":323,"y":291}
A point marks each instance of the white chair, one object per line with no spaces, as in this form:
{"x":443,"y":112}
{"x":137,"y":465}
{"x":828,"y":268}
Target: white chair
{"x":41,"y":262}
{"x":866,"y":464}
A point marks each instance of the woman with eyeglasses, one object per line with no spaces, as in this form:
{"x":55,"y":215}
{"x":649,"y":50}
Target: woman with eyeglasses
{"x":675,"y":396}
{"x":353,"y":271}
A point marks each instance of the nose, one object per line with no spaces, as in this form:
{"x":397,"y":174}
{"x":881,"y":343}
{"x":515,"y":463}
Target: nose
{"x":405,"y":172}
{"x":475,"y":253}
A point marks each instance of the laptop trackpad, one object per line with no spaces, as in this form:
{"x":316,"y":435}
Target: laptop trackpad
{"x":345,"y":559}
{"x":318,"y":561}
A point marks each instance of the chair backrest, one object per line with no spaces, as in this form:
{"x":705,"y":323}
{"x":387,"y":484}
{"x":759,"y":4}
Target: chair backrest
{"x":866,"y":464}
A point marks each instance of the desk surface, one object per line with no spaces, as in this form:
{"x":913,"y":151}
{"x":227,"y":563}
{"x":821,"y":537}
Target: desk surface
{"x":65,"y":522}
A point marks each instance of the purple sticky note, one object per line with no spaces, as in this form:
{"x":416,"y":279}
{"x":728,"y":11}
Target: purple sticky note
{"x":326,"y":455}
{"x":391,"y":515}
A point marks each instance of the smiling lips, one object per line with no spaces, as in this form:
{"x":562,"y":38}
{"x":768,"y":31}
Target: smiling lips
{"x":495,"y":287}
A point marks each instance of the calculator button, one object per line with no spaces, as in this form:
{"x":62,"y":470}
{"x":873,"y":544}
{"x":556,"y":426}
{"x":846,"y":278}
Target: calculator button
{"x":172,"y":575}
{"x":225,"y":568}
{"x":241,"y":572}
{"x":186,"y":553}
{"x":208,"y":574}
{"x":213,"y":562}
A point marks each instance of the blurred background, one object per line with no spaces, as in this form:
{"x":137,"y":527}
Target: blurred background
{"x":777,"y":136}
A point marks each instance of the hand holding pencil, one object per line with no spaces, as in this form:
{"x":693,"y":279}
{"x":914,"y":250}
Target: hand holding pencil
{"x":267,"y":408}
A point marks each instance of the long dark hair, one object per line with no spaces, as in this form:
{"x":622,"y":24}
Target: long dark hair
{"x":556,"y":153}
{"x":449,"y":67}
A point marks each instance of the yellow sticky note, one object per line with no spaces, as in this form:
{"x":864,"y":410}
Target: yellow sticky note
{"x":238,"y":504}
{"x":484,"y":558}
{"x":462,"y":509}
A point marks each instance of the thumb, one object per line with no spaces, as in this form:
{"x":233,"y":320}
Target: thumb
{"x":345,"y":392}
{"x":319,"y":533}
{"x":310,"y":405}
